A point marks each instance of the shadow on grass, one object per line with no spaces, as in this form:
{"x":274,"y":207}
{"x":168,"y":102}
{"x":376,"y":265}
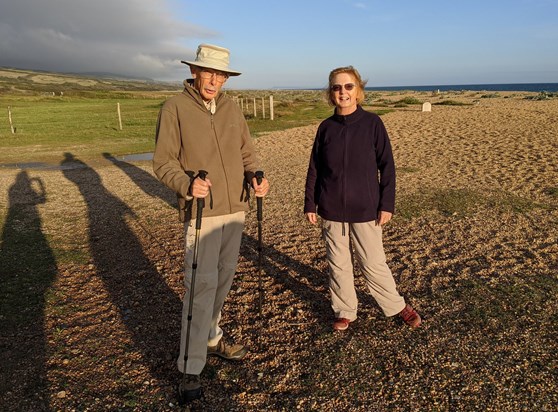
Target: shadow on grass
{"x":27,"y":270}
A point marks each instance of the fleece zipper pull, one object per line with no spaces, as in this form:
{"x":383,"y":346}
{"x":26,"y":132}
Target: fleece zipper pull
{"x":344,"y":180}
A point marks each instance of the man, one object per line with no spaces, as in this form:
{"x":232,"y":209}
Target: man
{"x":202,"y":129}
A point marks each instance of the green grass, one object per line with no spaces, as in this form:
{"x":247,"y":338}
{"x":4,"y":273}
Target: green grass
{"x":461,"y":203}
{"x":46,"y":127}
{"x":552,"y":192}
{"x":503,"y":301}
{"x":288,"y":115}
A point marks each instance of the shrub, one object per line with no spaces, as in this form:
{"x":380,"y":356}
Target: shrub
{"x":409,"y":100}
{"x":490,"y":96}
{"x":542,"y":96}
{"x":452,"y":103}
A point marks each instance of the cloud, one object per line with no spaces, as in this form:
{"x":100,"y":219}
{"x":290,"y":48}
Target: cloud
{"x":131,"y":37}
{"x":360,"y":6}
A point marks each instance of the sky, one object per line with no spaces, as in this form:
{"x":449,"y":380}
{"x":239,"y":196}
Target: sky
{"x":289,"y":44}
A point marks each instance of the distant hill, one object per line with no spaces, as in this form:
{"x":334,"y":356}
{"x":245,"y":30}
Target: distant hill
{"x":114,"y":76}
{"x":24,"y":81}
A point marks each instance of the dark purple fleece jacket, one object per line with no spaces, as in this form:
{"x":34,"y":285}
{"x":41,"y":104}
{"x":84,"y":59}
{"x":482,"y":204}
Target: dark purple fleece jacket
{"x":351,"y":175}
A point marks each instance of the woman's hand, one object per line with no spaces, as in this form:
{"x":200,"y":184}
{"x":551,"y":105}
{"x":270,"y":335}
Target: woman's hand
{"x":312,"y":218}
{"x":383,"y":217}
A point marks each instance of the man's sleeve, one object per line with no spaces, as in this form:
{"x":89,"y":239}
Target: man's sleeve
{"x":166,"y":164}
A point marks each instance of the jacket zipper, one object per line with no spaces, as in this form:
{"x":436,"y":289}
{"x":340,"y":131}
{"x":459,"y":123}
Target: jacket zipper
{"x":221,"y":158}
{"x":343,"y":189}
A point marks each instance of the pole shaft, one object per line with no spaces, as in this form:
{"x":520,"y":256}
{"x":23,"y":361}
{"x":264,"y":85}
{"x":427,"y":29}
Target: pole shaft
{"x":259,"y":202}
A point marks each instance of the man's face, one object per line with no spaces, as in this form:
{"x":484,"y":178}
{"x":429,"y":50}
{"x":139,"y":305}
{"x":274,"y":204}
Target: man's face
{"x":208,"y":82}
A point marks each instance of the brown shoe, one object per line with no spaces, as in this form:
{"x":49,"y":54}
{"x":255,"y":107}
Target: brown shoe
{"x":410,"y":316}
{"x":341,"y":324}
{"x":189,"y":388}
{"x":229,"y":352}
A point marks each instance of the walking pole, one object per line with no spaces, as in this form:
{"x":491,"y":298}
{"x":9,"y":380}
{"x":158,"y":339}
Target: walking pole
{"x":259,"y":202}
{"x":200,"y":205}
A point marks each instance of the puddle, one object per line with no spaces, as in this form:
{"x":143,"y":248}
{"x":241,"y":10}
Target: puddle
{"x":135,"y":157}
{"x":73,"y":165}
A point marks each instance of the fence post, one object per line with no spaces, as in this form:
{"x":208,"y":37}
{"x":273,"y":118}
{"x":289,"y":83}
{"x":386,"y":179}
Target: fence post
{"x":10,"y":119}
{"x":263,"y":108}
{"x":119,"y":117}
{"x":255,"y":112}
{"x":271,"y":107}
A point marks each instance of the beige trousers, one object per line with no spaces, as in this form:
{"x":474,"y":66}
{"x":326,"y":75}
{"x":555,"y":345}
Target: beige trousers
{"x":218,"y":251}
{"x":369,"y":250}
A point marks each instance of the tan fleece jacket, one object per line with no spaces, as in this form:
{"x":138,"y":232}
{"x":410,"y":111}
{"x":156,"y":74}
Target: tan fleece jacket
{"x":189,"y":138}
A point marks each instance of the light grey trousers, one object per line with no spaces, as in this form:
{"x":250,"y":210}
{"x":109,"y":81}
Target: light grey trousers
{"x":218,"y":250}
{"x":369,"y":250}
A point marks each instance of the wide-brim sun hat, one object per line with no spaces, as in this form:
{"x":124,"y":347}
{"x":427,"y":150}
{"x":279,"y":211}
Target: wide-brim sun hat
{"x":214,"y":57}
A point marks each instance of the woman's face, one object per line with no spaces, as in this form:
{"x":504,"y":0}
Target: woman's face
{"x":345,"y":99}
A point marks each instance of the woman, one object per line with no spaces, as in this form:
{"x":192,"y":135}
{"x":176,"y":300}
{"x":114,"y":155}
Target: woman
{"x":350,"y":151}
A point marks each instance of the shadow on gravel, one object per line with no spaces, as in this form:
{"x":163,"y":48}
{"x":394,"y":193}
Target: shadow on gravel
{"x":145,"y":181}
{"x":148,"y":306}
{"x":306,"y":282}
{"x":27,"y":270}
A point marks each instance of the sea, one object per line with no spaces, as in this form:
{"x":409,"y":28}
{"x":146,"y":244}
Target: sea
{"x":506,"y":87}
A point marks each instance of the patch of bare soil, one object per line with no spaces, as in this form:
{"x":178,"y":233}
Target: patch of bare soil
{"x":99,"y":328}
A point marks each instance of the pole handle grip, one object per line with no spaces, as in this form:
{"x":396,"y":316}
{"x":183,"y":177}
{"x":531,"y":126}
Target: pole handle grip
{"x":200,"y":202}
{"x":259,"y":178}
{"x":202,"y":174}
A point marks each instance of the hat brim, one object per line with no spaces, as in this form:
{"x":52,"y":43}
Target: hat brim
{"x":212,"y":66}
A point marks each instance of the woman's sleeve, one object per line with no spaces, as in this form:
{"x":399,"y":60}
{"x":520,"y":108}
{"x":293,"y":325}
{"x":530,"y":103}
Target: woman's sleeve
{"x":310,"y":205}
{"x":386,"y":167}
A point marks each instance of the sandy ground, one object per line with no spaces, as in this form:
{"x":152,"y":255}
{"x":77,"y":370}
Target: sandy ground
{"x":474,"y":249}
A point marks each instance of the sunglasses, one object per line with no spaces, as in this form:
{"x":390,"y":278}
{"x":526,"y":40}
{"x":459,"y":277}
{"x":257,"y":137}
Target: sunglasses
{"x":219,"y":76}
{"x":346,"y":86}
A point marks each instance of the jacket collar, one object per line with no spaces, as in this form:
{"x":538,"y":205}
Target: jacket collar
{"x":350,"y":118}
